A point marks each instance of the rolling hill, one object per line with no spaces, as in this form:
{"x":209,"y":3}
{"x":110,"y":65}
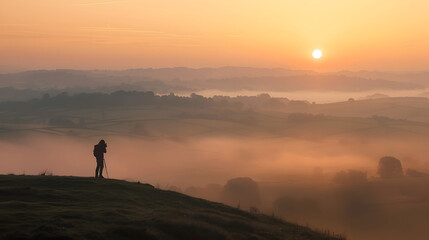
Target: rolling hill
{"x":53,"y":207}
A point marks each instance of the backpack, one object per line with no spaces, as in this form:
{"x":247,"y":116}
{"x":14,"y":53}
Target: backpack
{"x":95,"y":152}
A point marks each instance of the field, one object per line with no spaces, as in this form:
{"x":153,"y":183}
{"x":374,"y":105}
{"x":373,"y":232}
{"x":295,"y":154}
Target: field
{"x":390,"y":117}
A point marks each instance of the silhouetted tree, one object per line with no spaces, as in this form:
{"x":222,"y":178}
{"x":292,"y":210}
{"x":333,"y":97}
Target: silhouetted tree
{"x":389,"y":167}
{"x":264,"y":96}
{"x":243,"y":191}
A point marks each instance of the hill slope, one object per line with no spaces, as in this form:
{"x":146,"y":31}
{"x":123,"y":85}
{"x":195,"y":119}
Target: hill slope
{"x":52,"y":207}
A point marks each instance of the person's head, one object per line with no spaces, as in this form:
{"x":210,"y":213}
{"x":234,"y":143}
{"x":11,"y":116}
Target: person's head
{"x":102,"y":142}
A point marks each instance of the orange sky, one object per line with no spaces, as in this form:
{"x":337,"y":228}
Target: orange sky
{"x":118,"y":34}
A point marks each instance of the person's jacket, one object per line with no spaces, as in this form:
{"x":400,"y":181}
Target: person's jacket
{"x":100,"y":150}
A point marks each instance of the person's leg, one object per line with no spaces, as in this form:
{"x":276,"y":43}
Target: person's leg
{"x":101,"y":169}
{"x":96,"y":170}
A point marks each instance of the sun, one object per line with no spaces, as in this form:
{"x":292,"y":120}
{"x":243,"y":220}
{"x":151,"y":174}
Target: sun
{"x":317,"y":53}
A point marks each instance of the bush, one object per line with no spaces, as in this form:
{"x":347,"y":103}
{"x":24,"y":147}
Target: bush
{"x":389,"y":167}
{"x":243,"y":191}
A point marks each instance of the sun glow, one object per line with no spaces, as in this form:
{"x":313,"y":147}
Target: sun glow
{"x":317,"y":54}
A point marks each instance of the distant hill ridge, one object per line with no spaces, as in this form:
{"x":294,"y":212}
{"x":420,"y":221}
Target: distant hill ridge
{"x":225,"y":78}
{"x":53,"y":207}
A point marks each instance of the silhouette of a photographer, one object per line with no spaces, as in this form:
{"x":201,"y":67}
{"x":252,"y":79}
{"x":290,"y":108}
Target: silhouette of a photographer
{"x":99,"y":151}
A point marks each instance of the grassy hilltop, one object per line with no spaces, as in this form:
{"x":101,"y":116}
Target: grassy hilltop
{"x":52,"y":207}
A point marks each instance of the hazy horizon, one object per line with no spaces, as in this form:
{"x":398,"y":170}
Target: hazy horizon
{"x":4,"y":69}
